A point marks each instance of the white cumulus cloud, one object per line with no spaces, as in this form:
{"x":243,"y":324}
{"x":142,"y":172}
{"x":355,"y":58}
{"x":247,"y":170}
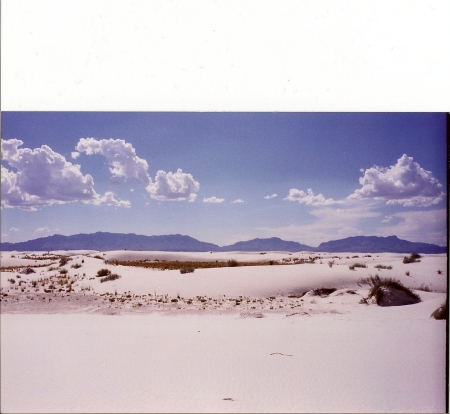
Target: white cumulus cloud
{"x":237,"y":201}
{"x":213,"y":199}
{"x":121,"y":157}
{"x":14,"y":229}
{"x":268,"y":197}
{"x":308,"y":198}
{"x":109,"y":200}
{"x":173,"y":186}
{"x":42,"y":177}
{"x":405,"y":183}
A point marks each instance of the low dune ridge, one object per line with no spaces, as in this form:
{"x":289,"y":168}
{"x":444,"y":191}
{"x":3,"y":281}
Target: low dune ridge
{"x":291,"y":332}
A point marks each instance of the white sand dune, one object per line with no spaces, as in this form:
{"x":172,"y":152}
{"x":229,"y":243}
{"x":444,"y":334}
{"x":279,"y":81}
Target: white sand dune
{"x":88,"y":351}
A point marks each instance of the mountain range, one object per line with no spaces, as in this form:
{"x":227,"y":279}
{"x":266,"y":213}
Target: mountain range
{"x":176,"y":242}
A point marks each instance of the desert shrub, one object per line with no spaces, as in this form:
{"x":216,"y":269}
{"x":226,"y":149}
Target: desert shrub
{"x":271,"y":262}
{"x":376,"y":283}
{"x":331,"y":263}
{"x":63,"y":272}
{"x":407,"y":273}
{"x":12,"y":281}
{"x":76,"y":266}
{"x":113,"y":276}
{"x":103,"y":272}
{"x":28,"y":271}
{"x":63,"y":260}
{"x":97,"y":256}
{"x":439,"y":272}
{"x":232,"y":263}
{"x":412,"y":258}
{"x":323,"y":291}
{"x":380,"y":266}
{"x":184,"y":270}
{"x":441,"y":312}
{"x":355,"y":265}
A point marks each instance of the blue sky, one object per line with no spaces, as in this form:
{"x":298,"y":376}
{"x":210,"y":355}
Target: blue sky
{"x":225,"y":177}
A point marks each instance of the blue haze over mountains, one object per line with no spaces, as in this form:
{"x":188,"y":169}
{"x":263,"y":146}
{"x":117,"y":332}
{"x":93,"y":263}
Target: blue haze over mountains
{"x":181,"y":243}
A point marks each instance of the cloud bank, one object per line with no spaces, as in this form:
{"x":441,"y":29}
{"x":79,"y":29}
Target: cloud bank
{"x":405,"y":183}
{"x":308,"y":198}
{"x":44,"y":177}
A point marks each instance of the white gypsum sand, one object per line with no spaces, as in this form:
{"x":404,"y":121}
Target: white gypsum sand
{"x":237,"y":339}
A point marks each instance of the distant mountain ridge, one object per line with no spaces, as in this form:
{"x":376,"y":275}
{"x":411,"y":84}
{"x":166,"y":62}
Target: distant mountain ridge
{"x":374,"y":244}
{"x":179,"y":243}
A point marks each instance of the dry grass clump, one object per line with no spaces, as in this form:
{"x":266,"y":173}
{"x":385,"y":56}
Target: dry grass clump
{"x":355,"y":265}
{"x":380,"y":267}
{"x":112,"y":276}
{"x":377,"y":285}
{"x":233,"y":263}
{"x":412,"y":258}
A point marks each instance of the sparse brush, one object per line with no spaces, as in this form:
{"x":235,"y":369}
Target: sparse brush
{"x":103,"y":272}
{"x":412,"y":258}
{"x":376,"y":283}
{"x":380,"y":266}
{"x":113,"y":276}
{"x":187,"y":270}
{"x":331,"y":263}
{"x":232,"y":263}
{"x":63,"y":272}
{"x":424,"y":288}
{"x":355,"y":265}
{"x":98,"y":257}
{"x":76,"y":266}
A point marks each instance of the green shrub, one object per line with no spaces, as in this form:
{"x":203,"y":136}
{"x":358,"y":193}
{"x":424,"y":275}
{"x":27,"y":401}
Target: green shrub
{"x":113,"y":276}
{"x":355,"y":265}
{"x":412,"y":258}
{"x":376,"y":283}
{"x":103,"y":272}
{"x":232,"y":263}
{"x":184,"y":270}
{"x":441,"y":312}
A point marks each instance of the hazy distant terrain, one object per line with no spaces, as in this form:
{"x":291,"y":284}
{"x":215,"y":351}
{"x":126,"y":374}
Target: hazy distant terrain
{"x":180,"y":243}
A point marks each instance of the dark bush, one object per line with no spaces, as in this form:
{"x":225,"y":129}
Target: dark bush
{"x":323,"y":291}
{"x":376,"y":284}
{"x":232,"y":263}
{"x":103,"y":272}
{"x":441,"y":312}
{"x":412,"y":258}
{"x":355,"y":265}
{"x":184,"y":270}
